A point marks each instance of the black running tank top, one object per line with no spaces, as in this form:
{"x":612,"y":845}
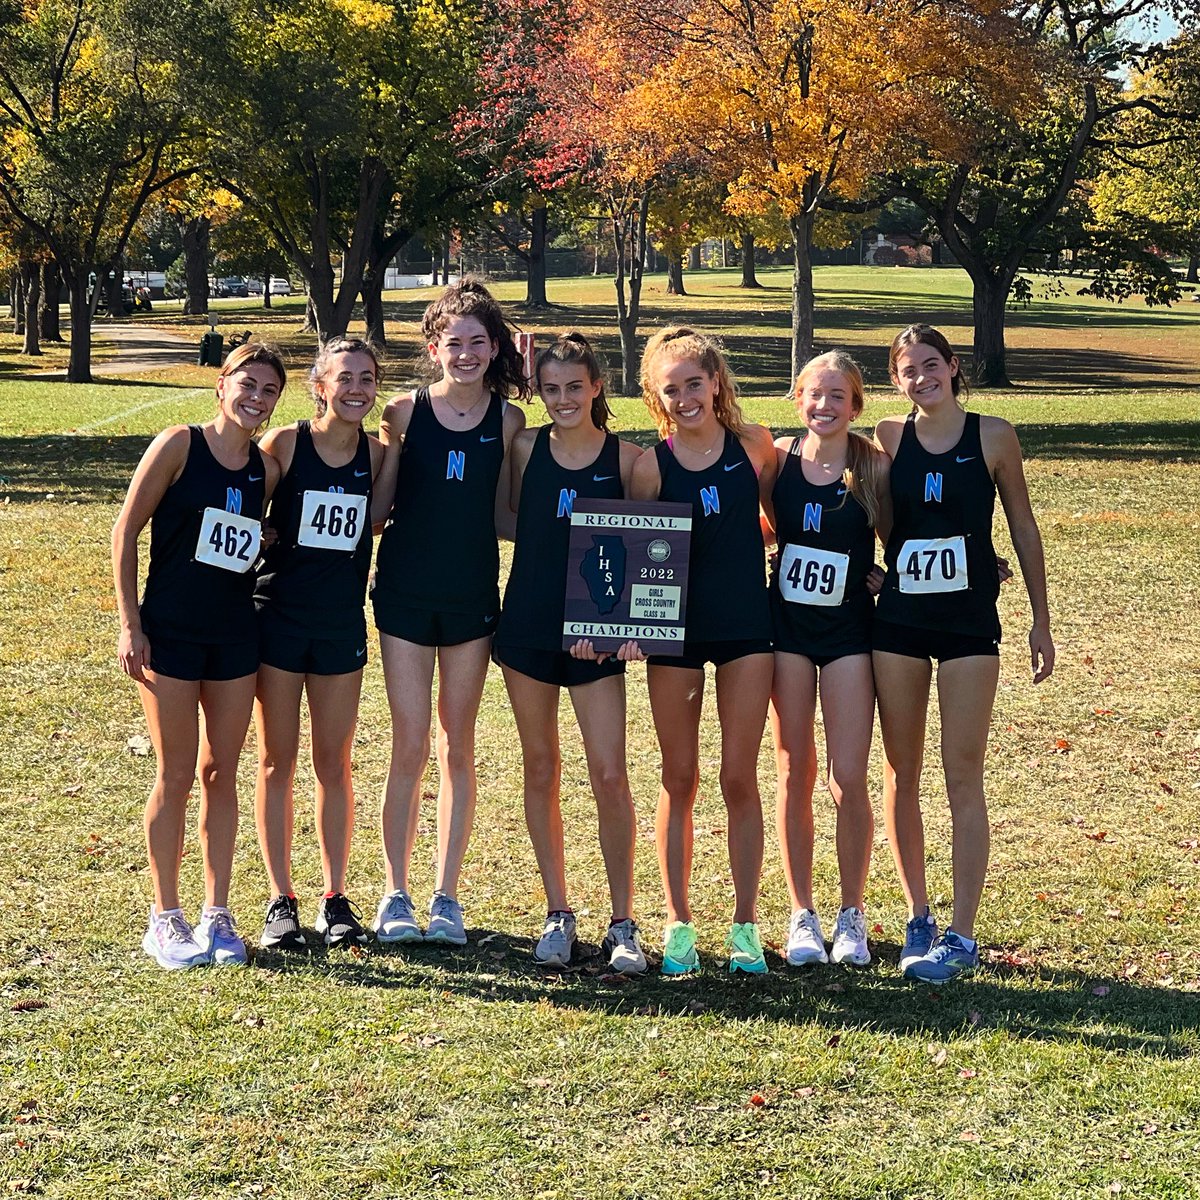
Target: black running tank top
{"x":439,"y":549}
{"x":940,"y":560}
{"x":826,"y":550}
{"x":534,"y":598}
{"x":727,"y":590}
{"x":318,"y":588}
{"x":189,"y":600}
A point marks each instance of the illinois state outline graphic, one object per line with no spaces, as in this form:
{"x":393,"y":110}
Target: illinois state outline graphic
{"x":603,"y":570}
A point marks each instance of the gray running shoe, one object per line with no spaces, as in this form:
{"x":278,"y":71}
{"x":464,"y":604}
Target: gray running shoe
{"x":557,"y":942}
{"x":623,"y":946}
{"x":217,"y":933}
{"x":171,"y":941}
{"x":850,"y":938}
{"x":396,"y":921}
{"x":445,"y":921}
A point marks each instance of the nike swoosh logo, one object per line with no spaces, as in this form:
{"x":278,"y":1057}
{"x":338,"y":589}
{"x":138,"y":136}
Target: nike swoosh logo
{"x":488,"y":620}
{"x":842,"y":491}
{"x":969,"y":458}
{"x":360,"y":653}
{"x":491,"y":439}
{"x":361,"y":474}
{"x":254,"y":478}
{"x":602,"y":478}
{"x":732,"y":466}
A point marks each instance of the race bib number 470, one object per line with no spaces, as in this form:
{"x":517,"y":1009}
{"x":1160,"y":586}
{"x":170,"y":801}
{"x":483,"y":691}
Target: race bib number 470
{"x":332,"y":520}
{"x":933,"y":565}
{"x":811,"y":576}
{"x":228,"y":540}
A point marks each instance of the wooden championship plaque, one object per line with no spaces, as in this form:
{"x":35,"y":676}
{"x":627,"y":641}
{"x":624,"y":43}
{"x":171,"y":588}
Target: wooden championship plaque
{"x":627,"y":574}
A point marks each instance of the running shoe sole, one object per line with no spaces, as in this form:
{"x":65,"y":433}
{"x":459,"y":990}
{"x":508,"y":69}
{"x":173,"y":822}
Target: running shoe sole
{"x":395,"y":939}
{"x":445,"y":939}
{"x":151,"y":948}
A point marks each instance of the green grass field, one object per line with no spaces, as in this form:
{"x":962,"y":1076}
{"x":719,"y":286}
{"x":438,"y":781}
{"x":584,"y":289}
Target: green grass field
{"x":1066,"y":1067}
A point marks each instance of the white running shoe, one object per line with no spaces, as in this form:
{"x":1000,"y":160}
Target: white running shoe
{"x":445,"y":921}
{"x":623,"y":946}
{"x":806,"y":942}
{"x":218,"y":934}
{"x":557,"y":942}
{"x":396,"y":921}
{"x":171,"y":941}
{"x":850,"y":938}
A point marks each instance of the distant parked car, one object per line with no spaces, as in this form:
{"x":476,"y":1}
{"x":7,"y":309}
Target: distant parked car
{"x":254,"y":287}
{"x":280,"y":287}
{"x":235,"y":285}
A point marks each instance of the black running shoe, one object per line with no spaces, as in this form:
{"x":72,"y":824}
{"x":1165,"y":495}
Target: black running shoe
{"x":281,"y":930}
{"x":341,"y":922}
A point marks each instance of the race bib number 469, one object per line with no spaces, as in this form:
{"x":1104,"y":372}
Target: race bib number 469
{"x":810,"y":576}
{"x":933,"y":565}
{"x":228,"y":540}
{"x":332,"y":520}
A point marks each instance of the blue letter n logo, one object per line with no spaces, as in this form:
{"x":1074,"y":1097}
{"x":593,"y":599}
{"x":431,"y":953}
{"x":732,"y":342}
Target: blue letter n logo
{"x":233,"y":500}
{"x":566,"y":502}
{"x":933,"y":486}
{"x":812,"y":518}
{"x":456,"y":460}
{"x":710,"y":500}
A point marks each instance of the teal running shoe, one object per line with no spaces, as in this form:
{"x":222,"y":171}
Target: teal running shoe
{"x":745,"y":949}
{"x":679,"y":949}
{"x":950,"y":957}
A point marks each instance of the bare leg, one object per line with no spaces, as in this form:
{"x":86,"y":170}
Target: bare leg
{"x":848,"y":706}
{"x":333,"y":709}
{"x":408,"y":676}
{"x":277,"y":718}
{"x":600,"y":711}
{"x":226,"y":706}
{"x":966,"y":691}
{"x":793,"y":710}
{"x":743,"y":692}
{"x":171,"y":707}
{"x":462,"y":670}
{"x":902,"y":685}
{"x":535,"y":707}
{"x":676,"y":698}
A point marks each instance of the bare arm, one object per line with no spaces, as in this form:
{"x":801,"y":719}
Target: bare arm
{"x":393,"y":426}
{"x":518,"y":460}
{"x":645,"y":482}
{"x":506,"y":505}
{"x":160,"y":466}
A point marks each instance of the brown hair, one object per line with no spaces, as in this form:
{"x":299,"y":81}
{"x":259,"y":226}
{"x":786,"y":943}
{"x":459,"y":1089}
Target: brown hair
{"x":573,"y":347}
{"x":864,"y":460}
{"x":326,"y":354}
{"x":256,"y":352}
{"x":680,"y":341}
{"x":469,"y":298}
{"x":926,"y":335}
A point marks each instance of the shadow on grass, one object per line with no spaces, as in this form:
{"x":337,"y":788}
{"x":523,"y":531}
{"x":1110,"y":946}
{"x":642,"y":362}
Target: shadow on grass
{"x":86,"y":468}
{"x":1010,"y":996}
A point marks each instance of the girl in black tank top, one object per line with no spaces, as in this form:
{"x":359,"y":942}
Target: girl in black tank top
{"x":436,"y":596}
{"x":310,"y":594}
{"x":193,"y":643}
{"x":712,"y":458}
{"x":939,"y":601}
{"x":572,"y":458}
{"x":830,"y":493}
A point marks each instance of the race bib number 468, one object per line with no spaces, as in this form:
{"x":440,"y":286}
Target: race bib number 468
{"x":332,"y":520}
{"x":933,"y":565}
{"x":811,"y":576}
{"x":228,"y":540}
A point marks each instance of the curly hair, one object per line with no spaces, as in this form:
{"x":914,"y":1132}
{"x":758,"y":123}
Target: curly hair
{"x":680,"y":341}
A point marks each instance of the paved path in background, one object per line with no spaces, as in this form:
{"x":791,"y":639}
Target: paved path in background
{"x":133,"y":349}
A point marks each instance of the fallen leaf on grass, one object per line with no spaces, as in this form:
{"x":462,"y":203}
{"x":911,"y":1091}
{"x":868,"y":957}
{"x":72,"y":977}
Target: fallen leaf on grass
{"x":805,"y":1092}
{"x":967,"y":1073}
{"x":1101,"y":990}
{"x":491,"y":937}
{"x":1061,"y":745}
{"x":1149,"y":1128}
{"x":968,"y":1135}
{"x":30,"y":1005}
{"x":614,"y":979}
{"x":1101,"y":835}
{"x":877,"y":929}
{"x":937,"y":1054}
{"x":73,"y":790}
{"x":1166,"y":787}
{"x":756,"y":1101}
{"x":833,"y":1041}
{"x":430,"y":1040}
{"x":1131,"y":970}
{"x":834,"y":987}
{"x":139,"y":744}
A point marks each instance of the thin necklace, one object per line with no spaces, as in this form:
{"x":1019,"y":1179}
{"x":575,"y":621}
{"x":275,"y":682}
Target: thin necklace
{"x":720,"y":441}
{"x":466,"y":411}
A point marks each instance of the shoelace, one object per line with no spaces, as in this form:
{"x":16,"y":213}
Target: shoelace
{"x":556,"y":923}
{"x":806,"y":920}
{"x":445,"y":906}
{"x":853,"y":924}
{"x":342,"y":908}
{"x":625,"y":933}
{"x":399,"y":905}
{"x":279,"y":910}
{"x":680,"y":943}
{"x":222,"y":923}
{"x":178,"y":930}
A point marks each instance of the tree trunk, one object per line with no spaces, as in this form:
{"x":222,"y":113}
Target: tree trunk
{"x":16,"y":291}
{"x":310,"y":318}
{"x":989,"y":366}
{"x":116,"y":292}
{"x":79,"y":365}
{"x":267,"y":292}
{"x":372,"y":298}
{"x":694,"y":258}
{"x":31,"y":280}
{"x":1193,"y":268}
{"x":749,"y":276}
{"x":446,"y":261}
{"x":803,"y":301}
{"x":535,"y":264}
{"x":48,"y":317}
{"x":630,"y":226}
{"x":195,"y":233}
{"x":675,"y":275}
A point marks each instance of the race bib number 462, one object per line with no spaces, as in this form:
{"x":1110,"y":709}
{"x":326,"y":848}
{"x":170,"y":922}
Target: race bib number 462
{"x":811,"y":576}
{"x":933,"y":565}
{"x":332,"y":520}
{"x":228,"y":540}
